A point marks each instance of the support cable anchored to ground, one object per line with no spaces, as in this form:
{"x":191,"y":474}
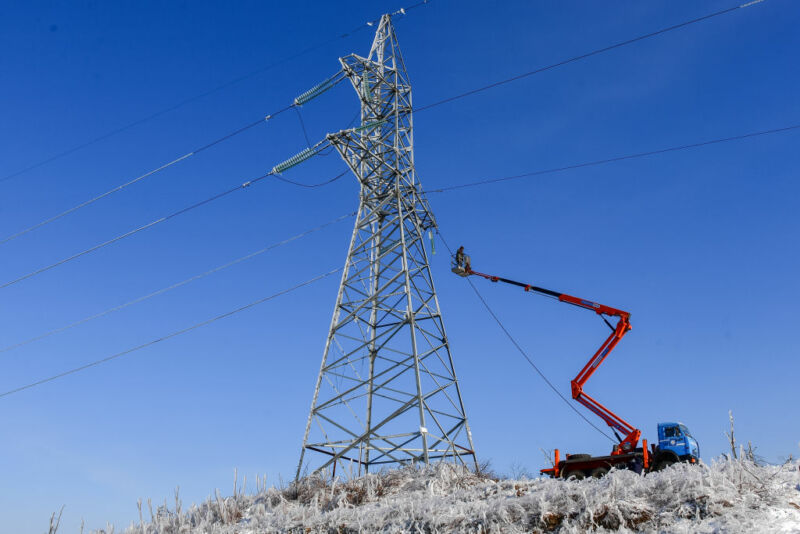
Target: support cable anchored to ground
{"x":586,"y":55}
{"x":274,"y":172}
{"x":615,"y":159}
{"x":522,"y":351}
{"x":173,"y":286}
{"x":167,"y":336}
{"x":59,"y":155}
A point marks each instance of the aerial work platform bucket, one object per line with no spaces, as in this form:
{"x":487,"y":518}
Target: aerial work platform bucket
{"x":461,"y":264}
{"x":460,"y":271}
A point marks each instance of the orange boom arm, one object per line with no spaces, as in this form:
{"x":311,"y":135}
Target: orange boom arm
{"x":631,"y":434}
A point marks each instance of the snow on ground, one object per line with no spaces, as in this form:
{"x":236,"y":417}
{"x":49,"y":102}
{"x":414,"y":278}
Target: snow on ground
{"x":725,"y":496}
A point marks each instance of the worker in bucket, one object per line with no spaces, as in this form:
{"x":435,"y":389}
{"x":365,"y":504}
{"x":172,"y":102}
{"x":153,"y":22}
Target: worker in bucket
{"x":462,"y":260}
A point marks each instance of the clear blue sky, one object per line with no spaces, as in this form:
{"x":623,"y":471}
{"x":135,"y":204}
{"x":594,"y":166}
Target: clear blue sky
{"x":700,"y":245}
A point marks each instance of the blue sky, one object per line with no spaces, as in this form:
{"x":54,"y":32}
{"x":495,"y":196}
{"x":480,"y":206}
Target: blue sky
{"x":699,"y":245}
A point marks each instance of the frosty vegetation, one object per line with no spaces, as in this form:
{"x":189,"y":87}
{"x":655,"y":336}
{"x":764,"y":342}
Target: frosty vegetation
{"x":729,"y":495}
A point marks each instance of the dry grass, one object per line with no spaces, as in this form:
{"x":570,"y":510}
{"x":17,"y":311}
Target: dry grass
{"x":729,"y":495}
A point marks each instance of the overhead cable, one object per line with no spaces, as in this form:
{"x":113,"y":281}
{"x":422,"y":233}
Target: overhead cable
{"x":522,"y":351}
{"x":329,"y":83}
{"x":139,"y":178}
{"x":168,"y":336}
{"x":317,"y":90}
{"x":303,"y":126}
{"x":160,"y":220}
{"x":312,"y":186}
{"x":332,"y":81}
{"x":59,"y":155}
{"x":618,"y":158}
{"x":587,"y":55}
{"x":173,"y":286}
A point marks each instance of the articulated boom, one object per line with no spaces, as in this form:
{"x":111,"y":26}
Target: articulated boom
{"x":631,"y":435}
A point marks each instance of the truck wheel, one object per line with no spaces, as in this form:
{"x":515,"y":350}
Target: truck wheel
{"x":577,"y":475}
{"x":599,"y":472}
{"x":579,"y":456}
{"x":663,"y":462}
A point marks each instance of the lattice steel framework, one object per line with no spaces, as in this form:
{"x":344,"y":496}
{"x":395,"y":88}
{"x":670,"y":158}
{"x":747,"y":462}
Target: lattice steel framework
{"x":387,"y":389}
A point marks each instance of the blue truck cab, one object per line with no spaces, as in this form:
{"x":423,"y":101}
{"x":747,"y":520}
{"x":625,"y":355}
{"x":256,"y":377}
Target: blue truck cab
{"x":676,"y":438}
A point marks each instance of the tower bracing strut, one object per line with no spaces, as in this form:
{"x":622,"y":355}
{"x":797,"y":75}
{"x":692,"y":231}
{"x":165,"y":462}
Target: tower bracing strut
{"x":387,"y":391}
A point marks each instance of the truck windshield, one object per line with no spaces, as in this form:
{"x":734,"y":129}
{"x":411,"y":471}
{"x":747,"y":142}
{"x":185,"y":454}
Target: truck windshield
{"x":685,"y":431}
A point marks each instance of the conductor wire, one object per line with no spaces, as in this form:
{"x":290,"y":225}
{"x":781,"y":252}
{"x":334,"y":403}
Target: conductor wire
{"x":166,"y":337}
{"x":173,"y":286}
{"x":588,"y":55}
{"x":140,"y":178}
{"x":160,"y":220}
{"x":189,"y":100}
{"x":618,"y":158}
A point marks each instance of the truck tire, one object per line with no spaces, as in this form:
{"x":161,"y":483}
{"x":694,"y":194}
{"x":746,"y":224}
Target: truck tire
{"x":576,"y":474}
{"x":579,"y":457}
{"x":664,"y":461}
{"x":599,"y":472}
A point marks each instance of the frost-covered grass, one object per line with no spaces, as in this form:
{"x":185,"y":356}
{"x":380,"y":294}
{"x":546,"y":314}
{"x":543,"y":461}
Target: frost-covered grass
{"x":726,"y":496}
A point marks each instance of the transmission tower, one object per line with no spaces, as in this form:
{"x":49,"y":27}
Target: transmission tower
{"x":387,"y":389}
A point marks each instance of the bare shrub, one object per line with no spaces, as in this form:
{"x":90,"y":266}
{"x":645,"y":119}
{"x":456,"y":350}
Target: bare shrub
{"x":728,"y":495}
{"x":55,"y":521}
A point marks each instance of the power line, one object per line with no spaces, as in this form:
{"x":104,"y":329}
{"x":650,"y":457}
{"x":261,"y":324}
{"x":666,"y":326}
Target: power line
{"x":438,"y":190}
{"x":618,"y":158}
{"x":522,"y":351}
{"x":59,"y":155}
{"x":312,"y":186}
{"x":141,"y":177}
{"x":168,"y":336}
{"x":94,"y":248}
{"x":587,"y":55}
{"x":446,"y":100}
{"x":173,"y":286}
{"x":134,"y":231}
{"x":319,"y":89}
{"x":303,"y":126}
{"x":101,"y":245}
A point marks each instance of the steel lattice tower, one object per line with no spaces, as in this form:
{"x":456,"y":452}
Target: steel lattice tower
{"x":387,"y":389}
